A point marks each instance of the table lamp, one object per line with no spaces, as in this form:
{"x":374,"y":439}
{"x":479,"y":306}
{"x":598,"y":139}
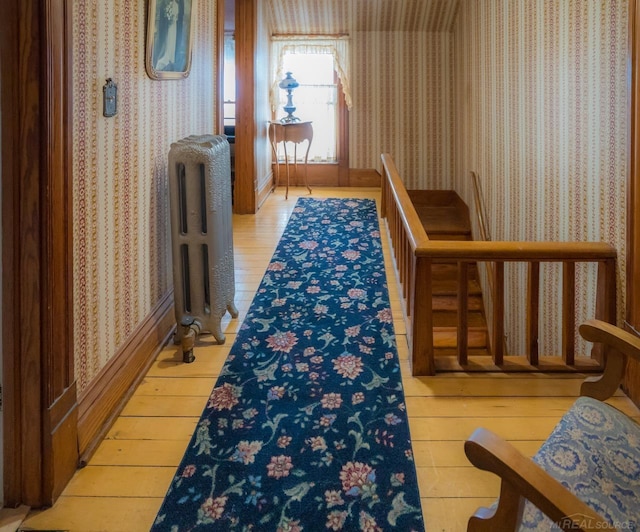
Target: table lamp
{"x":288,"y":84}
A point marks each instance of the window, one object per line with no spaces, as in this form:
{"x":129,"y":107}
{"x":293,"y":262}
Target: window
{"x":321,"y":66}
{"x":229,"y":89}
{"x":315,"y":100}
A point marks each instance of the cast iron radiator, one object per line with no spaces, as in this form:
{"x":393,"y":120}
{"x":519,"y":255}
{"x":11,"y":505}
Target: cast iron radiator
{"x":201,"y":237}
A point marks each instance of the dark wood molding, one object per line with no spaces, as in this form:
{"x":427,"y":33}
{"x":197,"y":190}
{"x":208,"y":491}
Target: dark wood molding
{"x":343,"y":138}
{"x":365,"y":177}
{"x":59,"y":419}
{"x":265,"y":187}
{"x":632,"y":375}
{"x":41,"y":453}
{"x":219,"y":96}
{"x":329,"y":175}
{"x":245,"y":191}
{"x":60,"y":443}
{"x":12,"y":94}
{"x":101,"y":403}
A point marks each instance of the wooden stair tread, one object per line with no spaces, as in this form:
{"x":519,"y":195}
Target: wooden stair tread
{"x":446,"y":303}
{"x":442,"y":220}
{"x":446,"y":360}
{"x":448,"y":337}
{"x":449,"y":271}
{"x":450,"y":319}
{"x":441,"y":211}
{"x":448,"y":287}
{"x":458,"y":237}
{"x":446,"y":217}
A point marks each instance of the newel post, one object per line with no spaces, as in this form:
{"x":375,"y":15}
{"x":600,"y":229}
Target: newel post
{"x":422,"y":355}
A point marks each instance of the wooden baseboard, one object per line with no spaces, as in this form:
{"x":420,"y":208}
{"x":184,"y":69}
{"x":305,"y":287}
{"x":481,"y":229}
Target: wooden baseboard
{"x":106,"y":396}
{"x":265,"y":186}
{"x":364,"y":177}
{"x":60,"y":454}
{"x":328,"y":175}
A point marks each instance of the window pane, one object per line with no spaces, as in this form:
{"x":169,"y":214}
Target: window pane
{"x":229,"y":89}
{"x":316,"y":101}
{"x":310,"y":69}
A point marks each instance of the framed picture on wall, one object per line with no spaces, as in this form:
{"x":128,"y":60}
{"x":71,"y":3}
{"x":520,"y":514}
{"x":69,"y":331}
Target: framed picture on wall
{"x":169,"y":38}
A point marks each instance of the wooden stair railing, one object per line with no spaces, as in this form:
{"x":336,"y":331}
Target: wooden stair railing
{"x":415,"y":254}
{"x":481,"y":212}
{"x":485,"y":235}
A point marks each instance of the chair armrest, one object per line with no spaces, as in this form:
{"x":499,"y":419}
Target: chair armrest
{"x":618,"y":344}
{"x":521,"y":477}
{"x":612,"y":336}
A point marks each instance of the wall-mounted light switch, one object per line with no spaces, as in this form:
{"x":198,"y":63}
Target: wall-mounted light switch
{"x":110,"y":98}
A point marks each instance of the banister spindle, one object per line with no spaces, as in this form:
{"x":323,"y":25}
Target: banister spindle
{"x":407,"y":263}
{"x":463,"y":311}
{"x":568,"y":312}
{"x":533,"y":309}
{"x":498,"y":315}
{"x":422,"y":355}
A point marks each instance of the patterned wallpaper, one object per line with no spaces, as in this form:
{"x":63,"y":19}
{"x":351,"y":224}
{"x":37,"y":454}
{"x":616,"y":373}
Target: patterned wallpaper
{"x":401,"y":78}
{"x":402,"y":89}
{"x":347,"y":16}
{"x":532,"y":91}
{"x":121,"y":248}
{"x":541,"y":109}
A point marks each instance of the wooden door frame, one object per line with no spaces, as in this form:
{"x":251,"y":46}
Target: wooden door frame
{"x":245,"y":193}
{"x":220,"y":19}
{"x":632,"y":311}
{"x":40,"y":406}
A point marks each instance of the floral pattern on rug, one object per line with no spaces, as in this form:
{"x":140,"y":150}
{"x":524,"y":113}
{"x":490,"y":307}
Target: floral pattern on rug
{"x":306,"y":427}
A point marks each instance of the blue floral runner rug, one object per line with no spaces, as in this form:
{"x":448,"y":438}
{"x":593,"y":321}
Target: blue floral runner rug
{"x":306,"y":427}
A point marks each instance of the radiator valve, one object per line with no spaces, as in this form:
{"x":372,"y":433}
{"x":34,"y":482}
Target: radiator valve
{"x":191,"y":329}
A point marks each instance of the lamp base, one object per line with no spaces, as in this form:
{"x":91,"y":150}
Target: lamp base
{"x":289,"y":119}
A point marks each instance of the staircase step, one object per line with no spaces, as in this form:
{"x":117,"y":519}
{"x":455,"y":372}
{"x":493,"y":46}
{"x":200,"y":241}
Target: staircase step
{"x":448,"y":303}
{"x":446,"y":217}
{"x":452,"y":352}
{"x":442,"y":220}
{"x":442,"y":271}
{"x":448,"y":337}
{"x":459,"y":237}
{"x":450,"y":319}
{"x":443,"y":288}
{"x":441,"y":212}
{"x":446,"y":360}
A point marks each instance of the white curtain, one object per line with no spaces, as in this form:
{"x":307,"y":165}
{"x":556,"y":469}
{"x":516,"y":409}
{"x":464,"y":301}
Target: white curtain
{"x":336,"y":46}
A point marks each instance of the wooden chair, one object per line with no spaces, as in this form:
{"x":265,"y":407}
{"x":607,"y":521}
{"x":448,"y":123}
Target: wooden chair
{"x":586,"y":476}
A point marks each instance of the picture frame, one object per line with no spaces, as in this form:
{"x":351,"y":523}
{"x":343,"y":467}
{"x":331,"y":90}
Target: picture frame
{"x":169,"y":38}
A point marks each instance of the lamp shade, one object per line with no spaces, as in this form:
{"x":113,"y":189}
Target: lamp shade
{"x":288,"y":83}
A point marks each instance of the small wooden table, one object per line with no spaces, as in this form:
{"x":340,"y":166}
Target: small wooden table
{"x":296,"y":132}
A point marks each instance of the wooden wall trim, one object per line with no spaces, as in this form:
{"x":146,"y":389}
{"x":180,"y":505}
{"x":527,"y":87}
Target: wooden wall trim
{"x":246,"y":132}
{"x":265,"y":187}
{"x":11,"y":94}
{"x":219,"y":96}
{"x":60,"y":443}
{"x":365,"y":177}
{"x":631,"y":382}
{"x":28,"y":306}
{"x":107,"y":394}
{"x":58,"y":205}
{"x":37,"y":357}
{"x":343,"y":137}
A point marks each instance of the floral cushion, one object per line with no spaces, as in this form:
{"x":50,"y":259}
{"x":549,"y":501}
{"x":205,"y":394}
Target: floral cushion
{"x":595,"y":452}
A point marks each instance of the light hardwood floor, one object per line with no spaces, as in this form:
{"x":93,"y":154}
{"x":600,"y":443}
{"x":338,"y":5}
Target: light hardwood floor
{"x":122,"y":487}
